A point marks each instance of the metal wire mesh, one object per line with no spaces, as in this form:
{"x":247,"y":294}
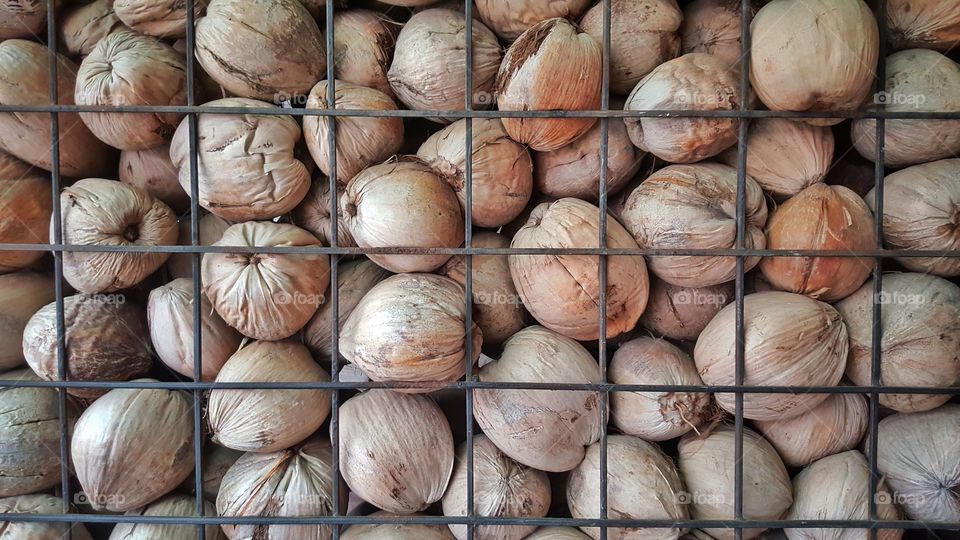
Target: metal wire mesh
{"x":471,"y":383}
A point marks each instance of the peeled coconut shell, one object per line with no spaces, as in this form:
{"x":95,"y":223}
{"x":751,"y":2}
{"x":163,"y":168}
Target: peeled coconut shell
{"x":25,"y":212}
{"x":82,"y":28}
{"x":22,"y":18}
{"x":152,"y":171}
{"x":21,"y":295}
{"x":180,"y":265}
{"x":38,"y":504}
{"x":509,"y":19}
{"x":928,"y":24}
{"x":313,"y":214}
{"x":171,"y":505}
{"x":363,"y":43}
{"x":161,"y":18}
{"x":713,"y":27}
{"x":681,"y":313}
{"x":396,"y":532}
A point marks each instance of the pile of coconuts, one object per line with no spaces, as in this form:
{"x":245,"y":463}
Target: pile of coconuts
{"x":388,"y":310}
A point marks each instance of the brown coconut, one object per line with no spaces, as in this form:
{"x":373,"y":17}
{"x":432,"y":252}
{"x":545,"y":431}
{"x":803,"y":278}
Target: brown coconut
{"x":713,"y":27}
{"x":510,"y":19}
{"x":82,"y":28}
{"x":927,"y":24}
{"x":23,"y":19}
{"x":98,"y":212}
{"x":502,"y":171}
{"x":25,"y":212}
{"x":21,"y":295}
{"x":180,"y":265}
{"x":681,"y":313}
{"x":363,"y":44}
{"x":161,"y":18}
{"x":38,"y":530}
{"x":266,"y":295}
{"x":313,"y":214}
{"x":152,"y":171}
{"x":562,"y":291}
{"x":13,"y":167}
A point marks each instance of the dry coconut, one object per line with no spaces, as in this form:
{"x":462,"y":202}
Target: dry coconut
{"x":551,"y":51}
{"x":643,"y":483}
{"x":713,"y":27}
{"x":216,"y":461}
{"x":574,"y":170}
{"x":361,"y":140}
{"x":152,"y":171}
{"x":821,"y":217}
{"x":428,"y":72}
{"x":502,"y":488}
{"x":37,"y":504}
{"x":13,"y":167}
{"x":247,"y":168}
{"x":24,"y":81}
{"x":814,"y":55}
{"x":835,"y":425}
{"x":430,"y":215}
{"x":921,"y":211}
{"x":544,"y":429}
{"x":919,"y":457}
{"x":98,"y":212}
{"x":296,"y":482}
{"x":410,"y":328}
{"x":562,"y":291}
{"x":396,"y":450}
{"x":785,"y":157}
{"x":920,"y":325}
{"x":558,"y":533}
{"x":656,"y":416}
{"x":290,"y":54}
{"x":681,"y":313}
{"x":929,"y":24}
{"x":695,"y":207}
{"x":171,"y":321}
{"x":21,"y":295}
{"x":643,"y":35}
{"x":509,"y":19}
{"x":23,"y":18}
{"x":25,"y":212}
{"x":838,"y":488}
{"x":396,"y":532}
{"x":499,"y":311}
{"x":502,"y":171}
{"x":82,"y":28}
{"x":161,"y":18}
{"x":268,"y":420}
{"x":211,"y":229}
{"x":104,"y":339}
{"x":313,"y":214}
{"x":707,"y":464}
{"x":132,"y":446}
{"x":266,"y":295}
{"x":171,"y":505}
{"x":363,"y":44}
{"x":918,"y":80}
{"x":354,"y":281}
{"x":695,"y":81}
{"x":813,"y":352}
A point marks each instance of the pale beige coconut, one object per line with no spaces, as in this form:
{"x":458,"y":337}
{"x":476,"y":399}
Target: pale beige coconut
{"x":501,"y":174}
{"x":105,"y":337}
{"x":170,"y":318}
{"x":39,"y":530}
{"x":396,"y":450}
{"x":396,"y":532}
{"x":792,"y":68}
{"x":428,"y":71}
{"x":12,"y":167}
{"x":130,"y":69}
{"x":290,"y":54}
{"x":785,"y":156}
{"x":29,"y":436}
{"x":152,"y":171}
{"x":643,"y":483}
{"x":918,"y":80}
{"x":410,"y":328}
{"x":247,"y":168}
{"x":681,"y":313}
{"x":694,"y":207}
{"x":656,"y":416}
{"x":313,"y":214}
{"x":510,"y":19}
{"x":501,"y":488}
{"x":217,"y":460}
{"x":82,"y":28}
{"x":161,"y":18}
{"x":643,"y":35}
{"x":562,"y":291}
{"x":544,"y":429}
{"x":499,"y":311}
{"x":926,"y":23}
{"x":707,"y":465}
{"x":266,"y":295}
{"x":98,"y":212}
{"x":921,"y":211}
{"x":920,"y":325}
{"x":21,"y":295}
{"x":25,"y":218}
{"x":363,"y":43}
{"x":821,"y":217}
{"x":212,"y":227}
{"x":171,"y":505}
{"x":132,"y":446}
{"x":430,"y":215}
{"x":268,"y":420}
{"x":23,"y":19}
{"x":790,"y":340}
{"x":24,"y":80}
{"x":361,"y":140}
{"x":835,"y":425}
{"x":296,"y":482}
{"x":713,"y":27}
{"x":558,"y":533}
{"x":574,"y":170}
{"x":918,"y":455}
{"x":838,"y":488}
{"x":552,"y":51}
{"x":695,"y":81}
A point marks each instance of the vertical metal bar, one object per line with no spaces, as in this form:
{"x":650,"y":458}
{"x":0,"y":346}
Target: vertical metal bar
{"x":603,"y":266}
{"x":468,"y":258}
